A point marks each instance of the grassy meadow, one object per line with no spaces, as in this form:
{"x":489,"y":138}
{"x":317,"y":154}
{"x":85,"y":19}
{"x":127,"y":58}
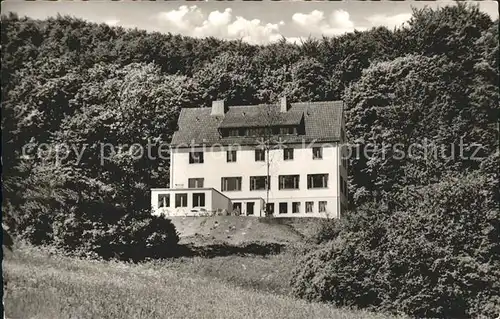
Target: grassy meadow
{"x":45,"y":285}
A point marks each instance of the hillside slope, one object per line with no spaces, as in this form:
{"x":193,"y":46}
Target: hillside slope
{"x":43,"y":286}
{"x":239,"y":229}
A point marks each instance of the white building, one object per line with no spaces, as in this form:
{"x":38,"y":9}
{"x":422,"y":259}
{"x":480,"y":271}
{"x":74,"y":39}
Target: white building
{"x":220,"y":161}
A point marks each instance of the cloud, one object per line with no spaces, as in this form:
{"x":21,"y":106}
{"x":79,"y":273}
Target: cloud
{"x":190,"y":20}
{"x":315,"y":22}
{"x":183,"y":18}
{"x":389,"y":21}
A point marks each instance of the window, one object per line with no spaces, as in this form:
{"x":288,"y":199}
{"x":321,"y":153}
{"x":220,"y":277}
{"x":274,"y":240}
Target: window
{"x":258,"y":183}
{"x":317,"y":181}
{"x":195,"y":182}
{"x":288,"y":154}
{"x":198,"y":199}
{"x":163,"y":200}
{"x":317,"y":153}
{"x":233,"y":132}
{"x":181,"y":200}
{"x":283,"y":208}
{"x":256,"y":132}
{"x":288,"y":130}
{"x":270,"y":208}
{"x":309,"y":207}
{"x":260,"y":155}
{"x":237,"y":207}
{"x":322,"y":206}
{"x":342,"y":135}
{"x":250,"y":206}
{"x":289,"y":182}
{"x":231,"y":156}
{"x":195,"y":157}
{"x":231,"y":184}
{"x":295,"y":207}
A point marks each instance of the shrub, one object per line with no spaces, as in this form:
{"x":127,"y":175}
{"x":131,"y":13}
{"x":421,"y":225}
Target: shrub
{"x":115,"y":235}
{"x":363,"y":219}
{"x":435,"y":255}
{"x":35,"y":226}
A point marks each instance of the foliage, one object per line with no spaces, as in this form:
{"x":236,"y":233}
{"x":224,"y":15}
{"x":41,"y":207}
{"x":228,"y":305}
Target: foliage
{"x":440,"y":261}
{"x":327,"y":230}
{"x":409,"y":126}
{"x":111,"y":234}
{"x":450,"y":31}
{"x":228,"y":77}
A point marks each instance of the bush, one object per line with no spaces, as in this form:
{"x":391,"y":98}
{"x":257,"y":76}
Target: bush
{"x":35,"y":226}
{"x":437,"y":255}
{"x":116,"y":235}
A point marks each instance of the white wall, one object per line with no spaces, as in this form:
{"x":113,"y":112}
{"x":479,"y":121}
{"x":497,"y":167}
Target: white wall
{"x":220,"y":201}
{"x":258,"y":209}
{"x":213,"y":201}
{"x":215,"y":167}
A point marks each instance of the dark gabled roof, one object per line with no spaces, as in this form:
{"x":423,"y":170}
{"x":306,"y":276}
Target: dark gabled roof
{"x":322,"y":122}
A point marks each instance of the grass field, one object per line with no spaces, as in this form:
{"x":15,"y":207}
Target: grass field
{"x":41,"y":285}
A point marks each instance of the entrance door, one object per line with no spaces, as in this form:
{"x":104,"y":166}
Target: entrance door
{"x":236,"y":209}
{"x":269,"y":209}
{"x":250,"y":207}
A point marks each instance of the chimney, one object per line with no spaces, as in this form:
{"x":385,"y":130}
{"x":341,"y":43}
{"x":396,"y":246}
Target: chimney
{"x":284,"y":105}
{"x":218,"y":107}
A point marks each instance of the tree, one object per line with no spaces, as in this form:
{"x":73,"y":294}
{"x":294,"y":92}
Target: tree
{"x":270,"y":118}
{"x":450,"y":31}
{"x":127,"y":115}
{"x":228,"y":77}
{"x":32,"y":110}
{"x":419,"y":101}
{"x":307,"y":81}
{"x":435,"y":254}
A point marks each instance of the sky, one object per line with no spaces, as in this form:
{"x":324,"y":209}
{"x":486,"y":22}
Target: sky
{"x":256,"y":22}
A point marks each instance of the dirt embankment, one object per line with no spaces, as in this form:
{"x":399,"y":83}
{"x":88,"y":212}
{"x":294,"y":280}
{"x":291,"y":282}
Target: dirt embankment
{"x":239,"y":229}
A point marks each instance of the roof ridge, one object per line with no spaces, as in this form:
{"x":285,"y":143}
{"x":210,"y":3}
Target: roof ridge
{"x":253,"y":105}
{"x":317,"y":102}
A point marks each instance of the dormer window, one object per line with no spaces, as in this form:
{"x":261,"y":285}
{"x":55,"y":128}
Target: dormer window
{"x":260,"y":131}
{"x":288,"y":130}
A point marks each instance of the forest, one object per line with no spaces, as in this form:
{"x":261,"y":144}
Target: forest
{"x":422,"y":235}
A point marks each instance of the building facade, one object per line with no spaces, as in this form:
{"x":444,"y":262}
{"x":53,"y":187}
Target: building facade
{"x":283,"y":160}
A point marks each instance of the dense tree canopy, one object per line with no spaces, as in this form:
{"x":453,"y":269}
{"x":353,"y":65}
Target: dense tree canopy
{"x":67,"y":80}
